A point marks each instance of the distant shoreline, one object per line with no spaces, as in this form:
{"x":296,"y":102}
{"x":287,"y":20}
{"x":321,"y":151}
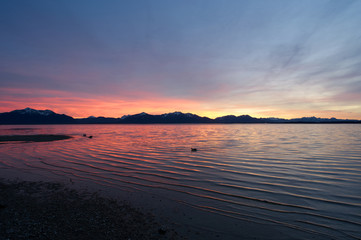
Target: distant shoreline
{"x":180,"y":123}
{"x":32,"y":116}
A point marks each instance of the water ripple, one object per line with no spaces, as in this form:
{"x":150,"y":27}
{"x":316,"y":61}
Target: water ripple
{"x":291,"y":176}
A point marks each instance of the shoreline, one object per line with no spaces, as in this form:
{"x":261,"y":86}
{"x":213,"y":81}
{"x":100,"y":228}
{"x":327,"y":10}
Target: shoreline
{"x":51,"y":210}
{"x":33,"y":138}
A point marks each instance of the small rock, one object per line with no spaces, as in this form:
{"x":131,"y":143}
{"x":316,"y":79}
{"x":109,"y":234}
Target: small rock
{"x":162,"y":231}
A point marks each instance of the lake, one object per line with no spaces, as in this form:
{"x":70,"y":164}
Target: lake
{"x":245,"y":181}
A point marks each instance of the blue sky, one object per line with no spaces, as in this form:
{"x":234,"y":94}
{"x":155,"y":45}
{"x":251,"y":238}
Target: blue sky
{"x":263,"y":58}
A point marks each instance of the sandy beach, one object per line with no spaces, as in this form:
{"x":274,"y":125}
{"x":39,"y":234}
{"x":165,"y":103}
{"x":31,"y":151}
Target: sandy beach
{"x":48,"y":210}
{"x":32,"y":138}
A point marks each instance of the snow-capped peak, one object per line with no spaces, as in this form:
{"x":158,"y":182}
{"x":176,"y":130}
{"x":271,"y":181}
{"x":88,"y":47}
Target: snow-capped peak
{"x":172,"y":114}
{"x":177,"y":113}
{"x":33,"y":111}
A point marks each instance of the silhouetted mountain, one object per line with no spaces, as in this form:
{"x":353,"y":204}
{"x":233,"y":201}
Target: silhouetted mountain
{"x":239,"y":119}
{"x":321,"y":120}
{"x":95,"y":120}
{"x":138,"y":118}
{"x":175,"y":117}
{"x":32,"y":116}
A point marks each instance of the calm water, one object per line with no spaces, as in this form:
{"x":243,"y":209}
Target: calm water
{"x":257,"y":180}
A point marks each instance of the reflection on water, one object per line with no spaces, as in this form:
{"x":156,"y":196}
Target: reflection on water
{"x":302,"y":179}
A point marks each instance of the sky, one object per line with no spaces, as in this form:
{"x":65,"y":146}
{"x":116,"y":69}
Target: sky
{"x":270,"y":58}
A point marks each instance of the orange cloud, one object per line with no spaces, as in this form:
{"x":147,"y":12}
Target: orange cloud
{"x":84,"y":105}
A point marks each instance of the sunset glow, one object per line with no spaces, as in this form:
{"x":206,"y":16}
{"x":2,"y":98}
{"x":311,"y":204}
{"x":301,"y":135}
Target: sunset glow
{"x":284,"y":59}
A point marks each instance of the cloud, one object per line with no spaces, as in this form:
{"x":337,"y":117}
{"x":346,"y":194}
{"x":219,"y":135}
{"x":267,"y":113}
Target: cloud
{"x":225,"y":56}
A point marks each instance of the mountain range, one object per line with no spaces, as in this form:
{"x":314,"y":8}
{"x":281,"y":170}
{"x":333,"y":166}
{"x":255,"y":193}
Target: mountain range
{"x":32,"y":116}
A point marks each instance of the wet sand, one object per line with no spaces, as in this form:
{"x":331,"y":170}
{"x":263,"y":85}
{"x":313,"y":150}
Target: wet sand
{"x":47,"y":210}
{"x":32,"y":138}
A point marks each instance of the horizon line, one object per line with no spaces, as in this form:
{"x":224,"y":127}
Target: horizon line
{"x":186,"y":113}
